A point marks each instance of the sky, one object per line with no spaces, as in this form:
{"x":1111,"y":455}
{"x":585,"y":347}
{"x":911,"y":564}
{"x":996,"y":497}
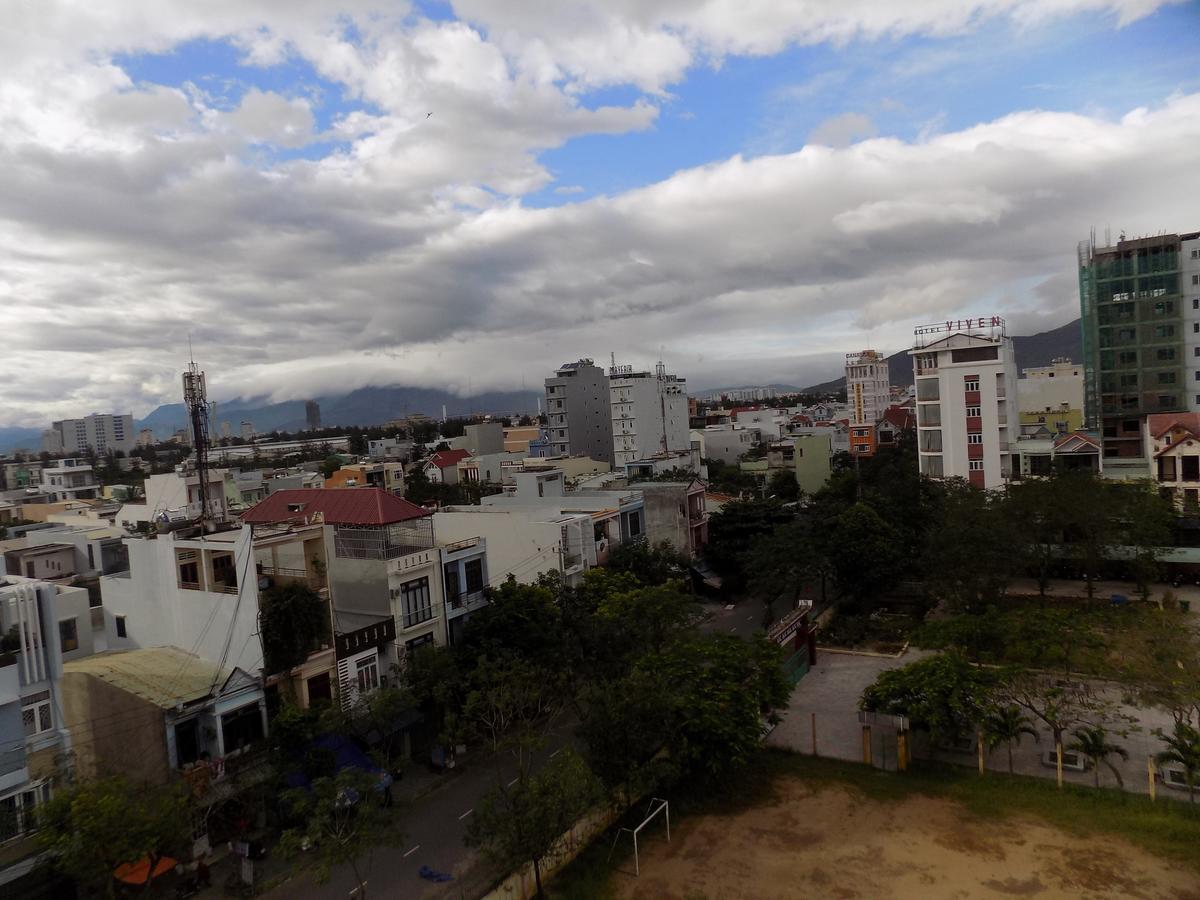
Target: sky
{"x":319,"y":196}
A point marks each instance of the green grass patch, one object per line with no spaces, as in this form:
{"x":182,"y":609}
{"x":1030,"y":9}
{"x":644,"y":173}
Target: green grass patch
{"x":1169,"y":828}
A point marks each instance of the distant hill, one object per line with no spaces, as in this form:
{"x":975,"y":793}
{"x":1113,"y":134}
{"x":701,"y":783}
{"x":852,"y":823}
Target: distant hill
{"x":1032,"y":350}
{"x":779,"y":389}
{"x":365,"y":406}
{"x":12,"y":438}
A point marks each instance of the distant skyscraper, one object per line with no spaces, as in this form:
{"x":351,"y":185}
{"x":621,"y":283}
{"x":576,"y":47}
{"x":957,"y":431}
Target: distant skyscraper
{"x":312,"y":414}
{"x":247,"y":430}
{"x":226,"y":429}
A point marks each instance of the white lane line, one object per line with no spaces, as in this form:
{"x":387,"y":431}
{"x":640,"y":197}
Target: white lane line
{"x":733,"y":628}
{"x":514,"y":781}
{"x":412,"y":851}
{"x":556,"y":752}
{"x":467,"y":813}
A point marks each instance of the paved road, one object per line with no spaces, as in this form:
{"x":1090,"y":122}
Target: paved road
{"x":433,"y":828}
{"x":832,"y":688}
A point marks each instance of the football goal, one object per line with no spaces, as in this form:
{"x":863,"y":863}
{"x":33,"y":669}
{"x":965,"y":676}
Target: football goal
{"x":656,"y":807}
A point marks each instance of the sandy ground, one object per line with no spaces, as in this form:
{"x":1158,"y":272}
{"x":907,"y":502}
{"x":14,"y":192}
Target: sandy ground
{"x":829,"y":842}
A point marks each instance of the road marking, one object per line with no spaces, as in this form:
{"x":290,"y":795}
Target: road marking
{"x":750,"y":618}
{"x":733,"y":628}
{"x":412,"y":851}
{"x":556,"y":752}
{"x":514,"y":781}
{"x":467,"y":813}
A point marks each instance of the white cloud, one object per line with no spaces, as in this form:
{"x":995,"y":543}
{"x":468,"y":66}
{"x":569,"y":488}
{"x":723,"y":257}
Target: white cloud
{"x":134,"y":214}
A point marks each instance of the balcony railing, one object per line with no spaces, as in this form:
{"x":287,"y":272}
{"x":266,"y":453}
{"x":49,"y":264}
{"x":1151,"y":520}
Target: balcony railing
{"x":12,"y":760}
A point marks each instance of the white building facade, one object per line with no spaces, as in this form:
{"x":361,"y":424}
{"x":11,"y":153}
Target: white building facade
{"x":649,"y":413}
{"x":100,"y":432}
{"x":69,"y":479}
{"x":966,"y":381}
{"x":868,"y":392}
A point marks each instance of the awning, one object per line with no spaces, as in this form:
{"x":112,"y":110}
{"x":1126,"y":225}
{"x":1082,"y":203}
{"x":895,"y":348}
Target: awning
{"x":136,"y":873}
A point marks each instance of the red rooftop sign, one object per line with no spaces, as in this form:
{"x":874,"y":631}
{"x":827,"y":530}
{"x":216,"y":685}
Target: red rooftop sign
{"x":961,"y":325}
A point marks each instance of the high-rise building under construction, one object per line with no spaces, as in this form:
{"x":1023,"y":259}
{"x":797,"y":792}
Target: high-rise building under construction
{"x":1140,"y":314}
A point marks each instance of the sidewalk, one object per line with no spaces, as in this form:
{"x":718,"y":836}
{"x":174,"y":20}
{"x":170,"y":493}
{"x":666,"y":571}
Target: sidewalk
{"x":1062,"y":587}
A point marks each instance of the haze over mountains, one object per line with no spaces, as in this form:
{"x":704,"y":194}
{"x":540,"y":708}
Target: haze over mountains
{"x":376,"y":405}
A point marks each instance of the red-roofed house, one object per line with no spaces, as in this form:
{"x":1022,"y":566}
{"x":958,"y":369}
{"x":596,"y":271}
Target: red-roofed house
{"x":896,"y":420}
{"x":1173,"y":440}
{"x":442,"y":466}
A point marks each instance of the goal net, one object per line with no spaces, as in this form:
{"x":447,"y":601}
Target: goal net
{"x":657,"y":807}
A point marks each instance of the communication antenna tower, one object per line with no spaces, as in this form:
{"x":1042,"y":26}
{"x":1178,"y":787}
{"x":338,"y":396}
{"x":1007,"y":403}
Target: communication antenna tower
{"x":195,"y":398}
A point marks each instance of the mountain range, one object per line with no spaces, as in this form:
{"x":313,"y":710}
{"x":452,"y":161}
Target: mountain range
{"x":1031,"y":350}
{"x":376,"y":405}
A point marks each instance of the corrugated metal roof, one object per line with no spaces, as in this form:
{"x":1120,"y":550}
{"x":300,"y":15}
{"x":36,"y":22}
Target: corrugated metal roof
{"x":165,"y":676}
{"x":337,"y":506}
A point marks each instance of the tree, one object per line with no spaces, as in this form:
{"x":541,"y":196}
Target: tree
{"x":92,"y":827}
{"x":1183,"y":747}
{"x":523,"y":823}
{"x":781,"y":564}
{"x":723,"y":688}
{"x":1092,"y":742}
{"x":330,"y":464}
{"x":1162,"y":662}
{"x":1042,"y":507}
{"x":972,"y":556}
{"x":1007,"y":724}
{"x":782,"y":485}
{"x":942,"y":694}
{"x":293,"y":621}
{"x":1147,"y":519}
{"x":342,"y":819}
{"x":862,"y":550}
{"x":736,"y":528}
{"x":649,"y":564}
{"x":1090,"y":527}
{"x":373,"y":717}
{"x":629,"y":724}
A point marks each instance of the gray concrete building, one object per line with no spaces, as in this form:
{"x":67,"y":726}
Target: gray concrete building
{"x":578,"y":411}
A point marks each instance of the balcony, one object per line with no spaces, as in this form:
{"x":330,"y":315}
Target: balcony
{"x":284,"y":575}
{"x":13,"y":767}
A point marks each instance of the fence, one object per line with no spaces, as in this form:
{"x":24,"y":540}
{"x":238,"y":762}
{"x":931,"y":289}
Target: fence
{"x":521,"y":885}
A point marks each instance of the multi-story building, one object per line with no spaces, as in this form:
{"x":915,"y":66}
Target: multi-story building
{"x":578,"y":416}
{"x":1051,"y":396}
{"x":966,"y":381}
{"x":41,"y":626}
{"x":1173,"y":439}
{"x":868,"y":392}
{"x":312,"y":415}
{"x":69,"y":479}
{"x":675,"y":512}
{"x":1140,"y":311}
{"x":649,"y":413}
{"x":98,"y":432}
{"x":726,"y":443}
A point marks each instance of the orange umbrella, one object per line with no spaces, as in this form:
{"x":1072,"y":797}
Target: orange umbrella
{"x":139,"y":872}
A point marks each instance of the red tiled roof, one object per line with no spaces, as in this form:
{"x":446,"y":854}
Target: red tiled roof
{"x":1160,"y":423}
{"x":444,"y":459}
{"x":900,"y":417}
{"x":337,"y":506}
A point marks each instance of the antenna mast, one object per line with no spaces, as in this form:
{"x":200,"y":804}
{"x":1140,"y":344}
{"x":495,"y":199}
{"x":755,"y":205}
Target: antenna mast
{"x":195,"y":398}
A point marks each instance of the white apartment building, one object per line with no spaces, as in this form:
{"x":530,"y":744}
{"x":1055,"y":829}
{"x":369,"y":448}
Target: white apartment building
{"x":966,"y":381}
{"x":726,"y":442}
{"x":43,"y":625}
{"x":100,"y":432}
{"x":69,"y":479}
{"x":1051,"y":396}
{"x":649,"y":413}
{"x":868,"y":393}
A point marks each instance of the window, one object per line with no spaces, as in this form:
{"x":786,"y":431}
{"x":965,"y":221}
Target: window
{"x":972,"y":412}
{"x":971,"y":384}
{"x":17,"y":810}
{"x":36,"y":715}
{"x":189,"y":573}
{"x":974,"y":438}
{"x":635,"y":525}
{"x":1196,"y":303}
{"x":1196,"y":279}
{"x":120,"y":620}
{"x":975,"y":465}
{"x":1169,"y":377}
{"x":1165,"y":354}
{"x":450,"y":578}
{"x":241,"y":728}
{"x":474,"y":572}
{"x":368,"y":674}
{"x":68,"y":635}
{"x":415,"y":603}
{"x":417,"y":643}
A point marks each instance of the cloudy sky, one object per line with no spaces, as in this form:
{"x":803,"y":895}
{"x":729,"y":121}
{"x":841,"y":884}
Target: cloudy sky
{"x":463,"y":194}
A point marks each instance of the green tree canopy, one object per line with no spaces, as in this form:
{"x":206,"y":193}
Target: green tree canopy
{"x":293,"y":621}
{"x":943,"y":694}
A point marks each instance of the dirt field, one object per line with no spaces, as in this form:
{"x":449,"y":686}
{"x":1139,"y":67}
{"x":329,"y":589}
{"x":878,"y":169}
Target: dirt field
{"x":828,"y":842}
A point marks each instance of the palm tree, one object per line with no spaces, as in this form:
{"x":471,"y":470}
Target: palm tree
{"x":1092,"y":742}
{"x":1184,"y":748}
{"x":1007,"y":724}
